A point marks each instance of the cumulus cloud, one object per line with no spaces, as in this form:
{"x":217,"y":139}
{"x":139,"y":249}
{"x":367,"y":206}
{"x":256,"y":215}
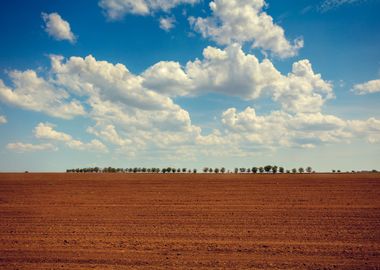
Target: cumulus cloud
{"x":3,"y":119}
{"x":117,"y":9}
{"x":94,"y":145}
{"x":244,"y":21}
{"x":46,"y":131}
{"x":20,"y":147}
{"x":115,"y":95}
{"x":136,"y":113}
{"x":306,"y":130}
{"x":109,"y":133}
{"x":232,"y":72}
{"x":37,"y":94}
{"x":167,"y":23}
{"x":58,"y":28}
{"x":367,"y":87}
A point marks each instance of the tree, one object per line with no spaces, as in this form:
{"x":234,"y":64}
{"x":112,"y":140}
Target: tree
{"x":205,"y":169}
{"x":223,"y":170}
{"x":195,"y":171}
{"x":178,"y":170}
{"x":281,"y":169}
{"x":210,"y":170}
{"x":216,"y":170}
{"x":236,"y":170}
{"x":261,"y":169}
{"x":254,"y":169}
{"x":301,"y":170}
{"x":248,"y":170}
{"x":274,"y":169}
{"x":173,"y":170}
{"x":242,"y":170}
{"x":294,"y":170}
{"x":309,"y":169}
{"x":268,"y":168}
{"x":184,"y":170}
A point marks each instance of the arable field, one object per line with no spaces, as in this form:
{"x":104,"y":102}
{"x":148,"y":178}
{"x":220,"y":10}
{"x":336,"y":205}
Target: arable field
{"x":189,"y":221}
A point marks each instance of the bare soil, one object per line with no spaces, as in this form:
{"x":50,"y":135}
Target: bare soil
{"x":189,"y":221}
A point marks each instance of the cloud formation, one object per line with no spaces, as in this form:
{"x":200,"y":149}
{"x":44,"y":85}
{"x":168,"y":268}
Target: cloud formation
{"x":20,"y":147}
{"x":46,"y":131}
{"x":34,"y":93}
{"x":167,"y":23}
{"x":117,"y":9}
{"x":331,"y":4}
{"x":245,"y":21}
{"x":367,"y":87}
{"x":3,"y":119}
{"x":232,"y":72}
{"x":58,"y":28}
{"x":136,"y":113}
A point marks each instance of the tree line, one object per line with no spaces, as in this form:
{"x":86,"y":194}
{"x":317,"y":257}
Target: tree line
{"x":263,"y":169}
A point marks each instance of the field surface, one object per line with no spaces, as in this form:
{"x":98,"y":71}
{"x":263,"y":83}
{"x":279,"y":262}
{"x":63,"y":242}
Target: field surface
{"x":189,"y":221}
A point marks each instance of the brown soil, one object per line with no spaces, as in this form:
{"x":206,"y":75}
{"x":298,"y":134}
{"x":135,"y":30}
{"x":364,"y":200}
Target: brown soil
{"x":189,"y":221}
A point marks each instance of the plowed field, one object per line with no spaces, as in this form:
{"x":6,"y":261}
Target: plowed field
{"x":189,"y":221}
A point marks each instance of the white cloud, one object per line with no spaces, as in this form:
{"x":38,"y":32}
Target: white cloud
{"x":232,"y":72}
{"x":46,"y":131}
{"x":34,"y":93}
{"x":331,"y":4}
{"x":367,"y":88}
{"x":93,"y":145}
{"x":3,"y":119}
{"x":136,"y":115}
{"x":117,"y":97}
{"x":109,"y":134}
{"x":117,"y":9}
{"x":306,"y":130}
{"x":167,"y":23}
{"x":58,"y":28}
{"x":27,"y":147}
{"x":244,"y":21}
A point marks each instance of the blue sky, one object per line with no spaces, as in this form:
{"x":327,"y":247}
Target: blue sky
{"x":189,"y":83}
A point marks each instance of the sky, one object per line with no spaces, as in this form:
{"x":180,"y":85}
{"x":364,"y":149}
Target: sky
{"x":189,"y":83}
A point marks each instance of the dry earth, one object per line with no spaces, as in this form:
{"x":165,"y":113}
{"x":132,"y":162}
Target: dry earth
{"x":189,"y":221}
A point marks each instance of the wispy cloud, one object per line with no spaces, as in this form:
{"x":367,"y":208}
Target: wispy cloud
{"x":331,"y":4}
{"x":20,"y":147}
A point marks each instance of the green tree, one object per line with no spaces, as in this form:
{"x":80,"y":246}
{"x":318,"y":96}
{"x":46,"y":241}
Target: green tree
{"x":281,"y":169}
{"x":261,"y":169}
{"x":268,"y":168}
{"x":301,"y":170}
{"x":254,"y":169}
{"x":274,"y":169}
{"x":309,"y":169}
